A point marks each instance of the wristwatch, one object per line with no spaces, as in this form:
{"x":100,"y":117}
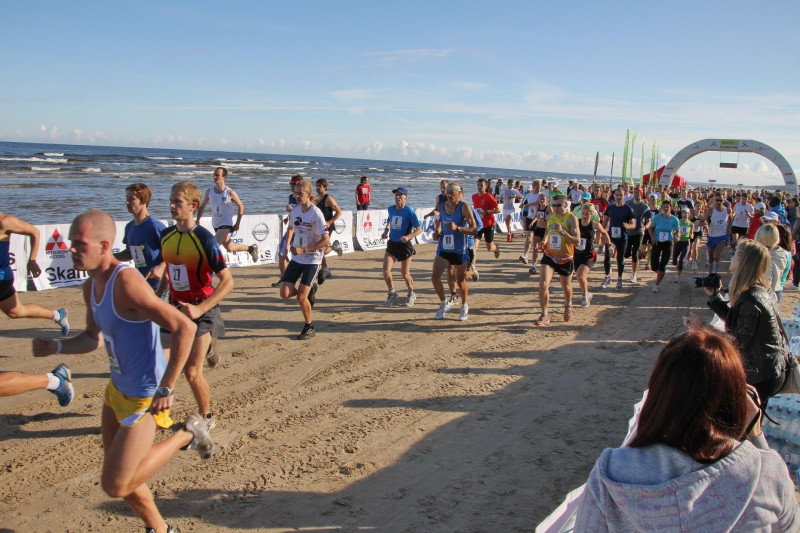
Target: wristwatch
{"x":164,"y":391}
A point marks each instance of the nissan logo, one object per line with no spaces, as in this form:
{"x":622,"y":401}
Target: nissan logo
{"x":339,"y":225}
{"x":260,"y":232}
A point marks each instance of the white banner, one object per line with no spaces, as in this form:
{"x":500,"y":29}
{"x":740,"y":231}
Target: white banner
{"x":428,"y":225}
{"x":18,"y":260}
{"x":343,"y":232}
{"x":369,"y":228}
{"x":516,"y":220}
{"x":264,"y":230}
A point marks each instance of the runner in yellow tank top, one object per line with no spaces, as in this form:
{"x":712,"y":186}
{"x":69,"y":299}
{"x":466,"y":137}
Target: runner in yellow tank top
{"x":556,"y":246}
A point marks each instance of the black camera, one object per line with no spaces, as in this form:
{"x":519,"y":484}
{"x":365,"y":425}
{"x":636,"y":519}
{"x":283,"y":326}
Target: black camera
{"x":712,"y":281}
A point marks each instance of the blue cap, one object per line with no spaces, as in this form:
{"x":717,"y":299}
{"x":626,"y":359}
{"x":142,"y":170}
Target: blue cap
{"x":401,"y":190}
{"x":586,"y":196}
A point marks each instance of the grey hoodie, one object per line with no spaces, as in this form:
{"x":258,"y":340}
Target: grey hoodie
{"x":660,"y":488}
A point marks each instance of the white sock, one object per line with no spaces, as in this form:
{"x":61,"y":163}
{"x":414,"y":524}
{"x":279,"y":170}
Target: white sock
{"x":56,"y":316}
{"x":52,"y":381}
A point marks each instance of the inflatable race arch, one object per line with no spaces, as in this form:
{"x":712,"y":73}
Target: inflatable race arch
{"x":730,"y":145}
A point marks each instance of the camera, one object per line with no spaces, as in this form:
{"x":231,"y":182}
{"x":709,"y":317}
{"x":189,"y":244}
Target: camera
{"x":712,"y":281}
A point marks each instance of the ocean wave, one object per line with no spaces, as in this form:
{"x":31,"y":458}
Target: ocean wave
{"x":53,"y":154}
{"x":34,"y":159}
{"x":45,"y":169}
{"x":92,"y":169}
{"x":290,"y":169}
{"x":244,"y":165}
{"x":296,"y":162}
{"x":162,"y":157}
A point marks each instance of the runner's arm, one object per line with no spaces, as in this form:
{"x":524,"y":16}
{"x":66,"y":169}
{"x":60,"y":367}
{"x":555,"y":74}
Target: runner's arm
{"x":11,"y":224}
{"x":202,"y":207}
{"x":240,"y":206}
{"x":86,"y":341}
{"x":337,"y":211}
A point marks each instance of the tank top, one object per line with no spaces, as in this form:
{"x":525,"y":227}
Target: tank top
{"x":556,"y":246}
{"x":451,"y":241}
{"x":587,"y":238}
{"x":718,"y":225}
{"x":327,"y":212}
{"x":5,"y":261}
{"x":222,"y":209}
{"x":135,"y":357}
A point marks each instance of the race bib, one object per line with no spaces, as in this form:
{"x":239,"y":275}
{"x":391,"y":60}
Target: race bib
{"x":664,"y":236}
{"x":720,"y":222}
{"x":697,"y":227}
{"x":616,"y":232}
{"x":179,"y":277}
{"x":555,"y":241}
{"x":581,"y":245}
{"x":397,"y":222}
{"x":449,"y":242}
{"x":113,"y":362}
{"x":138,"y":256}
{"x":684,"y":230}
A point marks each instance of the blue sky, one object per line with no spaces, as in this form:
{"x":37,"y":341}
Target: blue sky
{"x":529,"y":85}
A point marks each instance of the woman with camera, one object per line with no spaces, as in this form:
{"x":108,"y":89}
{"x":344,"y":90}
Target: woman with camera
{"x":751,"y":316}
{"x":698,"y":460}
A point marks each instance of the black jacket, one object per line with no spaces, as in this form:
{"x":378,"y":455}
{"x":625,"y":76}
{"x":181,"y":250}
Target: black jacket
{"x":756,"y":324}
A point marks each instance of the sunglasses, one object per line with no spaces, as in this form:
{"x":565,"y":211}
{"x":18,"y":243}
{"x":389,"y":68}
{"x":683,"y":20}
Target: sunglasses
{"x":557,"y":205}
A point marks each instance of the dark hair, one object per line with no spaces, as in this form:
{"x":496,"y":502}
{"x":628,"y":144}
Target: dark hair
{"x":774,"y":201}
{"x":785,"y":237}
{"x":697,"y":398}
{"x":141,"y":191}
{"x":364,"y":178}
{"x":224,"y":171}
{"x":323,"y":182}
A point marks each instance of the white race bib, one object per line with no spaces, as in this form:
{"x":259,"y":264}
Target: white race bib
{"x":684,"y":230}
{"x":449,"y":242}
{"x":616,"y":232}
{"x":664,"y":236}
{"x":582,"y":245}
{"x":113,"y":362}
{"x":138,"y":256}
{"x":397,"y":222}
{"x":555,"y":241}
{"x":179,"y":277}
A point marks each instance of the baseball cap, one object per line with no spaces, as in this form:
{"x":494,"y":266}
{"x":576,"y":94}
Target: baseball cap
{"x":401,"y":190}
{"x":760,"y":206}
{"x":555,"y":184}
{"x":586,"y":196}
{"x":652,"y":195}
{"x":296,"y":178}
{"x":770,"y":215}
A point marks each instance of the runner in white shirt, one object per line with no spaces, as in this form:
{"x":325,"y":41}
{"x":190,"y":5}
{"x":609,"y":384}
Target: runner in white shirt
{"x":742,"y":214}
{"x":506,"y":197}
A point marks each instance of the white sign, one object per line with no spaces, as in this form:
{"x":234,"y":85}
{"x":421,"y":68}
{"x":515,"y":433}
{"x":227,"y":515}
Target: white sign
{"x":369,"y":229}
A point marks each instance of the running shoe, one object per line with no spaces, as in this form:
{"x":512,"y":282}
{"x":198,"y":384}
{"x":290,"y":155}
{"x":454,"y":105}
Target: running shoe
{"x":533,"y":270}
{"x":64,"y":392}
{"x":453,"y":298}
{"x":790,"y":287}
{"x":391,"y":299}
{"x":212,"y":357}
{"x":412,"y":297}
{"x":542,"y":320}
{"x":619,"y":284}
{"x":586,"y":301}
{"x":606,"y":282}
{"x":475,"y":275}
{"x":277,"y":284}
{"x":634,"y":278}
{"x":655,"y":288}
{"x":568,"y":313}
{"x":464,"y":314}
{"x":523,"y":260}
{"x":170,"y":529}
{"x":442,"y":310}
{"x":677,"y":278}
{"x":209,"y":420}
{"x":307,"y":333}
{"x":312,"y":294}
{"x":328,"y":273}
{"x":201,"y":439}
{"x":253,"y":251}
{"x":337,"y":247}
{"x":448,"y":305}
{"x":321,"y":276}
{"x":497,"y":253}
{"x":62,"y":321}
{"x":510,"y":237}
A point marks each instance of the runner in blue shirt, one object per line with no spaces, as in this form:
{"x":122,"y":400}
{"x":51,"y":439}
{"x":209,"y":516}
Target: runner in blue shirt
{"x":664,"y":230}
{"x":619,"y":217}
{"x":402,"y":226}
{"x":142,"y":235}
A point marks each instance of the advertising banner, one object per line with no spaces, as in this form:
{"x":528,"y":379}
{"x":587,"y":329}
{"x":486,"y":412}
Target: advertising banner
{"x":343,"y":232}
{"x":428,"y":225}
{"x":516,"y":220}
{"x":369,"y":228}
{"x":263,"y":230}
{"x":18,"y":260}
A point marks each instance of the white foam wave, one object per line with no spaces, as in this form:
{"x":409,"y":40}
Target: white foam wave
{"x":291,"y":169}
{"x":161,"y":157}
{"x":45,"y":169}
{"x":33,"y":159}
{"x":53,"y":154}
{"x":297,"y":162}
{"x":244,"y":165}
{"x":92,"y":169}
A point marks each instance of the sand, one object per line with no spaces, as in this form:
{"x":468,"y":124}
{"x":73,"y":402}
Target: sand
{"x":387,"y":420}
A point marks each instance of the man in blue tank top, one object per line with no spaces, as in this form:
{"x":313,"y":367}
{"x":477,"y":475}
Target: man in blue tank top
{"x":402,"y":226}
{"x":123,"y":313}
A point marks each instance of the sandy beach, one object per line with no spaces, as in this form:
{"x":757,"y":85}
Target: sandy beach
{"x":387,"y":420}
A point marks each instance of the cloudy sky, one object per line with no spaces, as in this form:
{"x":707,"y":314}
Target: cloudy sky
{"x":528,"y":85}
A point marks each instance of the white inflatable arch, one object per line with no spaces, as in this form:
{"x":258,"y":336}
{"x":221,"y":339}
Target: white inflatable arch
{"x":730,"y":145}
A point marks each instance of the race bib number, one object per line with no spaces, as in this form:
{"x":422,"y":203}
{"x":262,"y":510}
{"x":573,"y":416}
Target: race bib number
{"x":664,"y":236}
{"x":179,"y":277}
{"x":449,"y":242}
{"x":555,"y":241}
{"x":684,"y":230}
{"x":616,"y":232}
{"x":697,"y":227}
{"x":397,"y":222}
{"x":581,"y":245}
{"x":138,"y":256}
{"x":113,"y":362}
{"x":720,"y":222}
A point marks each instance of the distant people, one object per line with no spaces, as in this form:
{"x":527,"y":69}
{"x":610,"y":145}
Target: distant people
{"x":698,"y":460}
{"x":641,"y":214}
{"x":362,"y":194}
{"x":9,"y":301}
{"x":193,"y":257}
{"x":742,"y":213}
{"x":529,"y":211}
{"x":456,"y":221}
{"x":441,"y":198}
{"x":759,"y":210}
{"x":402,"y":226}
{"x":487,"y":207}
{"x":142,"y":236}
{"x":331,"y":211}
{"x":123,"y":313}
{"x":540,"y":211}
{"x":506,"y":198}
{"x":59,"y":382}
{"x":681,"y":249}
{"x":224,"y":202}
{"x":307,"y":238}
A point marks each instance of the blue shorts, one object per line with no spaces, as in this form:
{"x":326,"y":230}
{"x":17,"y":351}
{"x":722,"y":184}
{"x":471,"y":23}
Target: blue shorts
{"x":305,"y":273}
{"x":714,"y":241}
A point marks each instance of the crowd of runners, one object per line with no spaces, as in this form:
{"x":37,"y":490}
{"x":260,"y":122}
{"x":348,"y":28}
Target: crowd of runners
{"x":160,"y":318}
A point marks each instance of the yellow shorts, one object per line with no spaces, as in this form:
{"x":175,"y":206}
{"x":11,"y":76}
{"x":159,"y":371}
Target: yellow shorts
{"x":130,"y":410}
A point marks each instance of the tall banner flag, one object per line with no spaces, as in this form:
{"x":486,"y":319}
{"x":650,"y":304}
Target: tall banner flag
{"x":625,"y":156}
{"x":630,"y":174}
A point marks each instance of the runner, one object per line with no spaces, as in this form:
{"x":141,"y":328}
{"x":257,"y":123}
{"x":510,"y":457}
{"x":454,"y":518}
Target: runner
{"x":192,"y":255}
{"x":442,"y":197}
{"x":742,"y":214}
{"x":308,"y":236}
{"x":9,"y":301}
{"x":469,"y":260}
{"x":362,"y":194}
{"x":759,"y":210}
{"x":331,"y":211}
{"x":59,"y":382}
{"x":455,"y":223}
{"x":540,"y":212}
{"x":557,"y":248}
{"x":619,"y":218}
{"x":529,"y":209}
{"x":681,"y":249}
{"x":402,"y":226}
{"x":224,"y":202}
{"x":585,"y":254}
{"x":487,"y":207}
{"x":283,"y":250}
{"x":641,"y":215}
{"x":142,"y":235}
{"x":664,"y":231}
{"x":718,"y":218}
{"x":506,"y":198}
{"x":124,"y":313}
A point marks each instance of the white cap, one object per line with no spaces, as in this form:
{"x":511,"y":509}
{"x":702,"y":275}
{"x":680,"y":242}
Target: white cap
{"x":760,"y":206}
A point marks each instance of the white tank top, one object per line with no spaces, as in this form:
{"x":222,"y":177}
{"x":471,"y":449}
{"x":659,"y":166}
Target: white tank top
{"x":222,"y":209}
{"x":718,"y":225}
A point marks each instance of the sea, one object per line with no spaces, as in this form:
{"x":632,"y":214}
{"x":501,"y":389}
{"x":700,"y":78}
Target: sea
{"x":52,"y":183}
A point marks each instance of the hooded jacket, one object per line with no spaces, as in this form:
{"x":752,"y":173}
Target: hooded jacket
{"x":660,"y":488}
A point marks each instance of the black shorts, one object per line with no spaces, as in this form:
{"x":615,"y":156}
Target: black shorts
{"x":737,"y":230}
{"x":539,"y":232}
{"x":530,"y":224}
{"x":632,"y":249}
{"x":210,"y":322}
{"x":7,"y":289}
{"x":223,"y":227}
{"x":400,"y":250}
{"x":305,"y":273}
{"x":585,"y":259}
{"x":488,"y":232}
{"x":646,"y":239}
{"x":562,"y":269}
{"x":452,"y":258}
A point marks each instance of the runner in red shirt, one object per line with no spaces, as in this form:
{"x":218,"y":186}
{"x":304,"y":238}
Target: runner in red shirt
{"x":487,"y":207}
{"x":362,"y":194}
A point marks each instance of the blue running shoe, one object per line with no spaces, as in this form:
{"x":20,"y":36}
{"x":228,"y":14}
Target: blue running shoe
{"x":62,"y":321}
{"x":64,"y":392}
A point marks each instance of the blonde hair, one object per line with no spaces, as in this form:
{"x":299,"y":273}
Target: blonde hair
{"x":751,"y":270}
{"x":767,"y":235}
{"x":189,"y":190}
{"x":588,"y":208}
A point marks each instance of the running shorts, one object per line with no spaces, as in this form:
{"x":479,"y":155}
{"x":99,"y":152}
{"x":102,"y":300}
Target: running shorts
{"x":400,"y":250}
{"x":562,"y":269}
{"x":130,"y":410}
